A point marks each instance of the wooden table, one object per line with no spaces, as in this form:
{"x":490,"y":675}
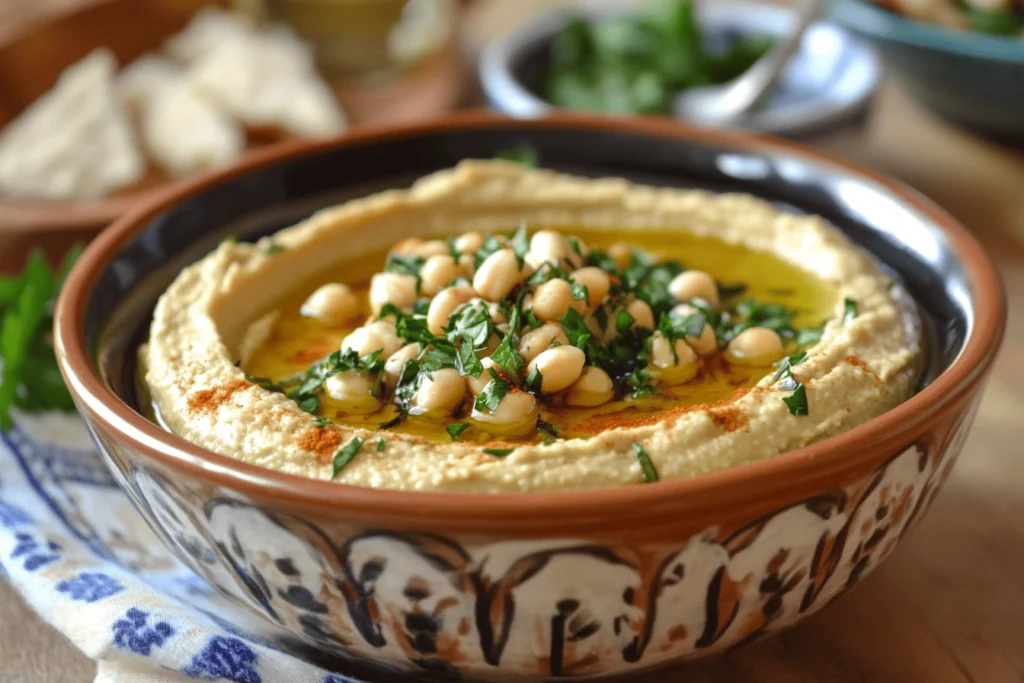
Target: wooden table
{"x":948,"y":607}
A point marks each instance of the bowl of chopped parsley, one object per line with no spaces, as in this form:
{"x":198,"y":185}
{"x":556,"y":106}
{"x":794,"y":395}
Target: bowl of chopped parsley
{"x":967,"y":67}
{"x":634,"y":59}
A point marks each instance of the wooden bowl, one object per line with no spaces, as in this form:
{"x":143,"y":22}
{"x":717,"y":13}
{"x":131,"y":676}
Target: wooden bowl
{"x":32,"y":60}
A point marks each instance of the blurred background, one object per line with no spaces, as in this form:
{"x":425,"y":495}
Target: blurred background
{"x":105,"y":102}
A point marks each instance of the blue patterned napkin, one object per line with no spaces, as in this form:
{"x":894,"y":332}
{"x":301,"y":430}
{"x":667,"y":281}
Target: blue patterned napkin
{"x":74,"y":547}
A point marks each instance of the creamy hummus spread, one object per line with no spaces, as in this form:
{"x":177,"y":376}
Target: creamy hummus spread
{"x":497,"y":328}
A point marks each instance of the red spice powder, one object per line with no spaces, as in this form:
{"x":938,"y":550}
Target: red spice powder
{"x":208,"y":400}
{"x":323,"y":442}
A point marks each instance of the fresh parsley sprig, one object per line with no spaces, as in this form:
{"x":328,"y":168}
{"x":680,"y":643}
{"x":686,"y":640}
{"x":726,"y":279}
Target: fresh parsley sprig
{"x":30,"y":379}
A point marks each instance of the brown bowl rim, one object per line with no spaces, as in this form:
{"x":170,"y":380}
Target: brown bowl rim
{"x":788,"y":476}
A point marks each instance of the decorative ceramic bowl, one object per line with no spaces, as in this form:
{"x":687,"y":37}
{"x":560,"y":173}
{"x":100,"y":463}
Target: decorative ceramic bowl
{"x":969,"y":77}
{"x":830,"y":81}
{"x":536,"y":585}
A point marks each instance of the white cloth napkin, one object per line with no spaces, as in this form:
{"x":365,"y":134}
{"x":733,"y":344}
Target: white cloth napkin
{"x":74,"y":547}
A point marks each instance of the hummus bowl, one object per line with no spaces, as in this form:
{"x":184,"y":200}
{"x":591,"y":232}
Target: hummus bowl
{"x":537,"y":582}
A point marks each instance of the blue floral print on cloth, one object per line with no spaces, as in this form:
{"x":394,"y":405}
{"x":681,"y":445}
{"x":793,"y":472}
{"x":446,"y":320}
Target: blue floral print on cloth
{"x":82,"y":557}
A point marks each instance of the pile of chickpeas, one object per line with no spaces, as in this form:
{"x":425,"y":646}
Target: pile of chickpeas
{"x":565,"y":376}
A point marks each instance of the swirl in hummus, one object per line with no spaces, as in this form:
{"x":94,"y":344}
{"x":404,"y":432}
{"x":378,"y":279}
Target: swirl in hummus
{"x":497,"y":328}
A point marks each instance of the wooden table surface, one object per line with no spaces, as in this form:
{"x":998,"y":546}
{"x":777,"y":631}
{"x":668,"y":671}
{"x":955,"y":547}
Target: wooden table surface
{"x":948,"y":607}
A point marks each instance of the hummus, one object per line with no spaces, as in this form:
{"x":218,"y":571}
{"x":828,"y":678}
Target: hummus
{"x":496,"y":328}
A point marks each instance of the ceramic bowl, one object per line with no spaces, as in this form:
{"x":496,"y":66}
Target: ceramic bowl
{"x":829,"y":83}
{"x":539,"y":585}
{"x":970,"y":78}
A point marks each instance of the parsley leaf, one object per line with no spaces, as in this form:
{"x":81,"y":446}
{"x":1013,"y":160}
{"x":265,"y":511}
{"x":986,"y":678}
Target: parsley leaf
{"x":455,"y":430}
{"x":811,"y":335}
{"x":797,"y":401}
{"x":579,"y":291}
{"x":849,"y":310}
{"x":520,"y":243}
{"x":523,"y":153}
{"x":467,"y":362}
{"x":498,"y":452}
{"x":623,"y":321}
{"x":647,"y":469}
{"x":405,"y":264}
{"x":534,"y":381}
{"x":380,"y":445}
{"x":548,"y":428}
{"x":345,"y":455}
{"x":322,"y":422}
{"x":576,"y":329}
{"x":492,"y":394}
{"x":273,"y":248}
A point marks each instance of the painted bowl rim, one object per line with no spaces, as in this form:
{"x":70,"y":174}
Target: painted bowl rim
{"x":878,"y":23}
{"x":511,"y":96}
{"x":744,"y":488}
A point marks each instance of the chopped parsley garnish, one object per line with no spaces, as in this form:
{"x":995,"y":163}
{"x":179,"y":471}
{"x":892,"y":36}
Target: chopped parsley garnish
{"x":345,"y":455}
{"x":455,"y":430}
{"x":29,"y":378}
{"x":623,"y":321}
{"x":579,"y":291}
{"x":576,"y":329}
{"x":492,"y":394}
{"x":534,"y":381}
{"x":498,"y":452}
{"x":507,"y":356}
{"x":380,"y":445}
{"x":797,"y":401}
{"x":305,"y":389}
{"x":548,"y":428}
{"x":322,"y":422}
{"x":524,"y":154}
{"x":491,"y":245}
{"x":273,"y":248}
{"x":574,"y":244}
{"x":811,"y":335}
{"x":647,"y":469}
{"x":467,"y":362}
{"x":786,"y":365}
{"x":264,"y":383}
{"x":682,"y":326}
{"x":849,"y":310}
{"x":548,"y":441}
{"x":519,"y":243}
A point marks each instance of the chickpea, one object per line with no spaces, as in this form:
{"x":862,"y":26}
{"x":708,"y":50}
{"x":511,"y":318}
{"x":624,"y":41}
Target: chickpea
{"x":393,"y":366}
{"x":352,"y":390}
{"x":593,"y":388}
{"x":432,"y":248}
{"x":552,"y":299}
{"x":469,"y":243}
{"x":441,"y":393}
{"x":369,"y":338}
{"x":549,"y":246}
{"x":597,"y":283}
{"x":704,"y":345}
{"x":533,"y":342}
{"x":559,"y":367}
{"x":477,"y":384}
{"x":755,"y":347}
{"x":498,"y":275}
{"x":443,"y":305}
{"x":332,"y":304}
{"x":437,"y":272}
{"x":516,"y":415}
{"x":694,"y":284}
{"x":397,"y":289}
{"x":668,"y":367}
{"x":621,"y":252}
{"x":407,"y":246}
{"x":642,"y":314}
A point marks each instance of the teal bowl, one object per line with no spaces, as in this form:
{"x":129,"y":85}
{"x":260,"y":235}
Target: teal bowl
{"x":973,"y":79}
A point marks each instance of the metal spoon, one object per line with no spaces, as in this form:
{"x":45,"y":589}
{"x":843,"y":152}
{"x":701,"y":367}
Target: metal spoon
{"x":727,"y":104}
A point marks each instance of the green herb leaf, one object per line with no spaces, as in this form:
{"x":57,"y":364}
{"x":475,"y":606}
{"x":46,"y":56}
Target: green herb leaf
{"x":797,"y":401}
{"x":548,"y":428}
{"x":726,"y":292}
{"x":455,"y":430}
{"x":579,"y":291}
{"x":492,"y":394}
{"x":548,"y":441}
{"x":849,"y":310}
{"x":647,"y":469}
{"x":524,"y":154}
{"x":490,"y":245}
{"x":345,"y":455}
{"x":623,"y":321}
{"x":273,"y":248}
{"x":786,"y":365}
{"x":519,"y":243}
{"x":811,"y":335}
{"x":405,"y":264}
{"x":498,"y":452}
{"x":380,"y":445}
{"x":534,"y":380}
{"x":576,"y":329}
{"x":322,"y":422}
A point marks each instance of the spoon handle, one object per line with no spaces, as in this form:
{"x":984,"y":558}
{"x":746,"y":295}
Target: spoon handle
{"x":751,"y":87}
